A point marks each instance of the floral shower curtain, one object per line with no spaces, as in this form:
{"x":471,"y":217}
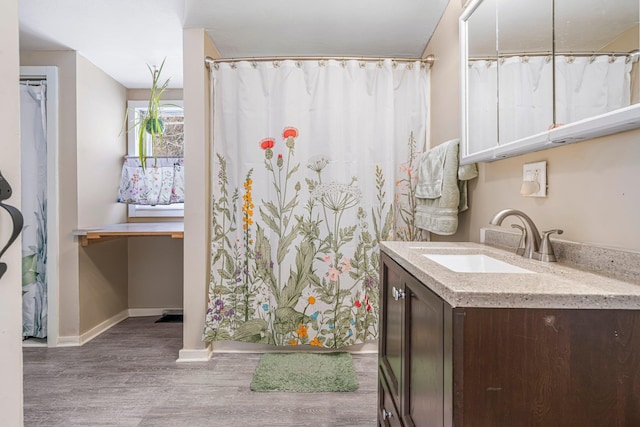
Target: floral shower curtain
{"x":310,"y":159}
{"x":33,"y":152}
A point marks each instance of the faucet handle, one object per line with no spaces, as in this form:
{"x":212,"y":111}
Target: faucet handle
{"x":520,"y":248}
{"x":546,"y":250}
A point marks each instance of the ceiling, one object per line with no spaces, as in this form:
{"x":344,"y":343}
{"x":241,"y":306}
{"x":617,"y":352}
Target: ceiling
{"x":122,"y":37}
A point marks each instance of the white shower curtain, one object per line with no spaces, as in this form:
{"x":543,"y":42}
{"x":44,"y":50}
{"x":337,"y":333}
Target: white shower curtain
{"x":590,"y":86}
{"x":585,"y":87}
{"x":34,"y":206}
{"x":309,"y":156}
{"x":525,"y":96}
{"x":483,"y":105}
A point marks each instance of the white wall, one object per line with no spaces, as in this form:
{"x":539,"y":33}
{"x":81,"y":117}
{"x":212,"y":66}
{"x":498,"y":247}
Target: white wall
{"x":10,"y":284}
{"x":101,"y":106}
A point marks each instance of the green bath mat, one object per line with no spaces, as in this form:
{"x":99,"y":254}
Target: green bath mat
{"x":305,"y":372}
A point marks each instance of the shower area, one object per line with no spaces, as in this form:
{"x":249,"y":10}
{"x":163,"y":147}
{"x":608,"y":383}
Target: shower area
{"x":38,"y":133}
{"x":311,"y":167}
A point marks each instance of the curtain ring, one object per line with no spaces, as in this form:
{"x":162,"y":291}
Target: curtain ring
{"x":276,"y":64}
{"x":394,"y":64}
{"x":570,"y":59}
{"x":612,"y":59}
{"x":216,"y":66}
{"x":525,"y":59}
{"x":343,"y":63}
{"x":362,"y":64}
{"x":234,"y":65}
{"x":410,"y":66}
{"x":379,"y":64}
{"x":254,"y":64}
{"x":322,"y":63}
{"x":299,"y":64}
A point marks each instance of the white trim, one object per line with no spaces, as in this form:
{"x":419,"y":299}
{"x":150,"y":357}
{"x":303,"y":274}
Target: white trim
{"x":68,"y":341}
{"x":76,"y":341}
{"x":103,"y":327}
{"x":175,"y":210}
{"x":202,"y":355}
{"x":50,"y":73}
{"x":147,"y":312}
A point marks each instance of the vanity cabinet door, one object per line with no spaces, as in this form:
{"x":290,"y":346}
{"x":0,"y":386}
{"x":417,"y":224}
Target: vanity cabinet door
{"x":388,"y":414}
{"x":391,"y":324}
{"x":423,"y":394}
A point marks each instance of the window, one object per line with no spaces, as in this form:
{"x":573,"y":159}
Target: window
{"x":172,"y":145}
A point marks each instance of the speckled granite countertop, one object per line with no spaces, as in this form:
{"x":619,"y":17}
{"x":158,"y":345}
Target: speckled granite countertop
{"x":551,"y":285}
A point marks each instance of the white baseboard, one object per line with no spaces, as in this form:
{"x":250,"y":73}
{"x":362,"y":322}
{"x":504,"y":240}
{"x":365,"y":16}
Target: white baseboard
{"x":201,"y":355}
{"x":146,"y":312}
{"x":102,"y":327}
{"x":75,"y":340}
{"x":68,"y":341}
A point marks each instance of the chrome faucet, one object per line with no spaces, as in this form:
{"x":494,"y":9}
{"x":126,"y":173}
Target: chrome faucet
{"x":532,"y":238}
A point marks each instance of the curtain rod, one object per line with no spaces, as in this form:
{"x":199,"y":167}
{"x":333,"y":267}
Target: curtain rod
{"x":430,"y":59}
{"x":33,"y":80}
{"x":580,"y":54}
{"x":154,"y":157}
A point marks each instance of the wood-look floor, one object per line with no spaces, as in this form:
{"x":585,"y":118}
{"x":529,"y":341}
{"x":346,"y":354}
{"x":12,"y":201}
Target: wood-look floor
{"x":128,"y":376}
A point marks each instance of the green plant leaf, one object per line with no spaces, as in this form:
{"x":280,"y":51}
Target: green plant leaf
{"x":287,"y":319}
{"x":251,"y":330}
{"x":294,"y":170}
{"x":270,"y":222}
{"x":272,"y":209}
{"x":299,"y":279}
{"x":283,"y":245}
{"x":29,"y":266}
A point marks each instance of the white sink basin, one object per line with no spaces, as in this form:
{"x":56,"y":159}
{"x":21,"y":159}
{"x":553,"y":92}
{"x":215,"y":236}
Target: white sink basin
{"x":474,"y":263}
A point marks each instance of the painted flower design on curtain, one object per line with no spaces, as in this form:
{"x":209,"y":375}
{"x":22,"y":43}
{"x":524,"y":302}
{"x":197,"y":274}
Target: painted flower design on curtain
{"x":301,"y":272}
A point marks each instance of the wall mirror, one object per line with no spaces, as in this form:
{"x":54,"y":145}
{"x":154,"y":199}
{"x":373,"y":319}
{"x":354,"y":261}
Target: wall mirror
{"x":536,"y":74}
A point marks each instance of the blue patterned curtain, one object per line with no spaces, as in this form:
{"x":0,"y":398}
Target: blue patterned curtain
{"x":33,"y":151}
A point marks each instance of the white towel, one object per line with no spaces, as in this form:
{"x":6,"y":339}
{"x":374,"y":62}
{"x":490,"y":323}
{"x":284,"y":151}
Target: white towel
{"x":442,"y":188}
{"x":431,"y":171}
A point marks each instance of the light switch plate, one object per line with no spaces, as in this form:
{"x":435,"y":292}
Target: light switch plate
{"x":535,"y":172}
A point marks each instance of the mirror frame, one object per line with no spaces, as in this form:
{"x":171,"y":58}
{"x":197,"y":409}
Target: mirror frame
{"x":620,"y":120}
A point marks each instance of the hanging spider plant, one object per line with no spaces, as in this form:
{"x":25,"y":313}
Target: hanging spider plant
{"x":150,"y":122}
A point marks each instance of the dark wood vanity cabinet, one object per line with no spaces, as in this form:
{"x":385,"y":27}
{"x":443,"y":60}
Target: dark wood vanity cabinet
{"x":494,"y":367}
{"x":411,"y":352}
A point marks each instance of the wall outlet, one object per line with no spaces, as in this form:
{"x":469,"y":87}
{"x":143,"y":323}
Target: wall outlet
{"x":534,"y":180}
